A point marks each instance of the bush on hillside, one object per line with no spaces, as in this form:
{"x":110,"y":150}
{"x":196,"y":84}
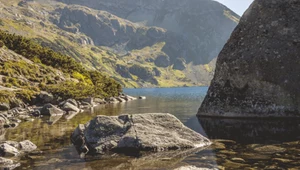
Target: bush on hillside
{"x":92,"y":83}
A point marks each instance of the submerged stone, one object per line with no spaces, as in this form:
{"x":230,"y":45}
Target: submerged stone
{"x":257,"y":72}
{"x":139,"y":132}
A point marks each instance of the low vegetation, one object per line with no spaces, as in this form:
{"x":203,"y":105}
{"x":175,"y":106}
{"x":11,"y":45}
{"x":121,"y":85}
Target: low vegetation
{"x":41,"y":73}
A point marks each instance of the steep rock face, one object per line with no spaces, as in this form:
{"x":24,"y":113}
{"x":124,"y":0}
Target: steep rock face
{"x":203,"y":25}
{"x":106,"y":29}
{"x":257,"y":71}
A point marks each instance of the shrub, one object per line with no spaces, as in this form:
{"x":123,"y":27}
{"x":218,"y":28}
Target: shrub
{"x":71,"y":89}
{"x":5,"y":96}
{"x":26,"y":95}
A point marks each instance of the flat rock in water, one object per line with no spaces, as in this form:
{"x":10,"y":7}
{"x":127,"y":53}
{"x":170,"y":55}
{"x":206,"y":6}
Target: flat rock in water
{"x":142,"y":97}
{"x":138,"y":132}
{"x":69,"y":107}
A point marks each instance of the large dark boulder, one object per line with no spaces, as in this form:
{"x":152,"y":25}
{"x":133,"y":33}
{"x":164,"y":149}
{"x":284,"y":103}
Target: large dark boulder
{"x":257,"y":72}
{"x":138,"y":132}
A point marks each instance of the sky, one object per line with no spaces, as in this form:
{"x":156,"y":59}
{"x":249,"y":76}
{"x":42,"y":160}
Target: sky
{"x":238,"y":6}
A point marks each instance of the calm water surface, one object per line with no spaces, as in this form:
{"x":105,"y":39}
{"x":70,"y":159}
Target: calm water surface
{"x":237,"y":144}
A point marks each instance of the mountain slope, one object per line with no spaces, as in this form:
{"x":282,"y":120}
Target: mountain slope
{"x":134,"y":53}
{"x":26,"y":68}
{"x":204,"y":26}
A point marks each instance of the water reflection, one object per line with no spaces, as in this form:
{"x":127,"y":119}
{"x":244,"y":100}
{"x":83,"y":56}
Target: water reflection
{"x":52,"y":134}
{"x":264,"y":131}
{"x":51,"y":120}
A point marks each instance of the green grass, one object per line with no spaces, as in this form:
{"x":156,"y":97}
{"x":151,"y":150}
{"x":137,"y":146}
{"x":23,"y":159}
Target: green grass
{"x":91,"y":83}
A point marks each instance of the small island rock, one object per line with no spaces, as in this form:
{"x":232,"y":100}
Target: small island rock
{"x":138,"y":132}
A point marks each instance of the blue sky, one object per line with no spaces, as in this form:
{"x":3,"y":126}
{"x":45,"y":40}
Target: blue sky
{"x":238,"y":6}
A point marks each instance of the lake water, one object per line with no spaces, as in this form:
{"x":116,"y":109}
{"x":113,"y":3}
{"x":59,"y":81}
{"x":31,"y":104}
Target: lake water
{"x":237,"y":144}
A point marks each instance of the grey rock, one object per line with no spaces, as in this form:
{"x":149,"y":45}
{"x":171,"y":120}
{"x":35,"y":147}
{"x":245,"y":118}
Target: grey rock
{"x":85,"y":105}
{"x":125,"y":98}
{"x":99,"y":101}
{"x":27,"y":146}
{"x":13,"y":144}
{"x":71,"y":101}
{"x":120,"y":99}
{"x":113,"y":100}
{"x":257,"y":70}
{"x":5,"y":161}
{"x":51,"y":110}
{"x":7,"y":150}
{"x":141,"y":132}
{"x":89,"y":100}
{"x":131,"y":98}
{"x":8,"y":164}
{"x":69,"y":107}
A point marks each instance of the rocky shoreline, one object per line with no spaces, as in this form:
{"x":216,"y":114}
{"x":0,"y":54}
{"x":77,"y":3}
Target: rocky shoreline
{"x":48,"y":106}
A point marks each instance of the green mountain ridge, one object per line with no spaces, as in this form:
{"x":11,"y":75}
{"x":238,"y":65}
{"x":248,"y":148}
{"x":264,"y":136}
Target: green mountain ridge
{"x":133,"y":53}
